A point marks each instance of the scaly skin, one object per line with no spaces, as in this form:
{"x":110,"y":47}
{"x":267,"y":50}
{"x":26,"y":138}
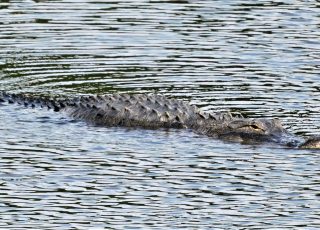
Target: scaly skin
{"x":156,"y":111}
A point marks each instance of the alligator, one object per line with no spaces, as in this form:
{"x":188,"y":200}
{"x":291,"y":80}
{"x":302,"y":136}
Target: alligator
{"x":154,"y":111}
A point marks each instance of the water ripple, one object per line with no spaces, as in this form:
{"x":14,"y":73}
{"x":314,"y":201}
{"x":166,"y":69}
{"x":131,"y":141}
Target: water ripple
{"x":259,"y":58}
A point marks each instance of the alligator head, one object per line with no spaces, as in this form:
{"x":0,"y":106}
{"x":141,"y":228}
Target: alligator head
{"x":247,"y":130}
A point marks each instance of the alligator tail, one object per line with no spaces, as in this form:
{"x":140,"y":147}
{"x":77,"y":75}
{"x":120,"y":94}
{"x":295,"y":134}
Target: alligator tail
{"x":28,"y":100}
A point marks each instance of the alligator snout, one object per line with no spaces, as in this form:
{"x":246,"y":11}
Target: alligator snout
{"x":311,"y":143}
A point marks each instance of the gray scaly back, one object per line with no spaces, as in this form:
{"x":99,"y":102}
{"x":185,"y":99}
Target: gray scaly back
{"x":135,"y":110}
{"x":128,"y":110}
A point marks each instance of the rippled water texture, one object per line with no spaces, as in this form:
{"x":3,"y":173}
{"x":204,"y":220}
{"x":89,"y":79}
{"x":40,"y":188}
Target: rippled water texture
{"x":260,"y":58}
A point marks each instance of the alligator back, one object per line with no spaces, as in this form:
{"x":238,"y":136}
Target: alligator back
{"x":133,"y":110}
{"x":130,"y":110}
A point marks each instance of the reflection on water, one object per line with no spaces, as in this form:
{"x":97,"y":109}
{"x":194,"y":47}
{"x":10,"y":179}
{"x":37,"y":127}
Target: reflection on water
{"x":259,"y":58}
{"x":57,"y":173}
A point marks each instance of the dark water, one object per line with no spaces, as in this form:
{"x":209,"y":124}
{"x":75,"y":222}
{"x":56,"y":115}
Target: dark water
{"x":260,"y":58}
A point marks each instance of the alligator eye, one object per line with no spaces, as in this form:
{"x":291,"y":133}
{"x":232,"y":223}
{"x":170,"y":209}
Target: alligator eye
{"x":255,"y":127}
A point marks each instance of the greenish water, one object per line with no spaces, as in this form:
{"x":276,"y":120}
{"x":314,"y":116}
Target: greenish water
{"x":260,"y":58}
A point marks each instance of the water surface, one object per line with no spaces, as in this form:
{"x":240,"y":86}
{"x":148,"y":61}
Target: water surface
{"x":258,"y":58}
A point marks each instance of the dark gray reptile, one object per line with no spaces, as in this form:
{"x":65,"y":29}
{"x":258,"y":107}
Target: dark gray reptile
{"x":156,"y":111}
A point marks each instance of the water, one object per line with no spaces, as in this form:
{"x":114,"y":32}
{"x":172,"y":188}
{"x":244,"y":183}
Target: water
{"x":258,"y":58}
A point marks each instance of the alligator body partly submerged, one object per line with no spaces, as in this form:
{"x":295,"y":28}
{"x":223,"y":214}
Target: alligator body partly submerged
{"x":156,"y":111}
